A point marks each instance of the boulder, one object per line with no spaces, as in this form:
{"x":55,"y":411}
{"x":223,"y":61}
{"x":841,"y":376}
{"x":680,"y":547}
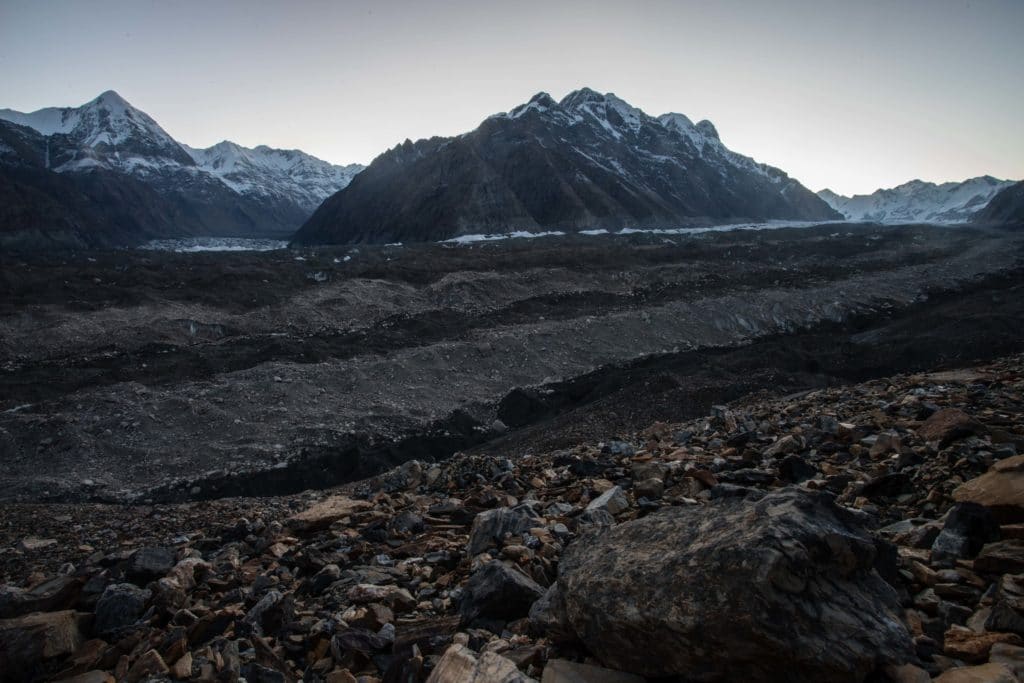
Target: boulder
{"x":121,"y":605}
{"x":614,"y":501}
{"x":968,"y":527}
{"x":947,"y":425}
{"x":29,"y":642}
{"x":564,"y":671}
{"x":498,"y":591}
{"x":1001,"y":557}
{"x":460,"y":665}
{"x":738,"y":590}
{"x":491,"y":526}
{"x":985,"y":673}
{"x":56,"y":594}
{"x":1001,"y":490}
{"x":325,"y":513}
{"x":149,"y":564}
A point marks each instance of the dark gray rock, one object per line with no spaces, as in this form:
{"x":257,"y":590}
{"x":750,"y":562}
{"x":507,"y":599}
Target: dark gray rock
{"x":781,"y":588}
{"x":490,"y":527}
{"x":795,"y":469}
{"x":149,"y":564}
{"x":968,"y":527}
{"x":498,"y":591}
{"x":121,"y":605}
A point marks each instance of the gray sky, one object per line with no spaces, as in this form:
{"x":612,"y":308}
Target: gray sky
{"x":848,"y":95}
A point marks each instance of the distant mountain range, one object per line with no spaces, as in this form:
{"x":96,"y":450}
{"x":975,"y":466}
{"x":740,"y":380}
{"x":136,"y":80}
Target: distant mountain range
{"x":107,"y":174}
{"x":919,"y":201}
{"x":588,"y":161}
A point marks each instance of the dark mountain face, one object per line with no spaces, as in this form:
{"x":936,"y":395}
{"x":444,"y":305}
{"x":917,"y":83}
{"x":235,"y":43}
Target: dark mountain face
{"x":589,"y":161}
{"x":170,"y":190}
{"x":42,"y":209}
{"x":1005,"y":208}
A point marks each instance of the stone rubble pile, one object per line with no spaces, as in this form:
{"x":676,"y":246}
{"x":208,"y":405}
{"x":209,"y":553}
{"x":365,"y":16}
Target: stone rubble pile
{"x":870,"y":532}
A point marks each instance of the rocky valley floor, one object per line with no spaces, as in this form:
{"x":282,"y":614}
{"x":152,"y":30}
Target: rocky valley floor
{"x":873,"y":531}
{"x":158,"y":377}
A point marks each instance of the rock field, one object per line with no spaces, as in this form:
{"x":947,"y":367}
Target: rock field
{"x":868,"y":532}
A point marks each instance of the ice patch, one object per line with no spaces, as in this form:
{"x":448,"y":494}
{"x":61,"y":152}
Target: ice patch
{"x":197,"y":244}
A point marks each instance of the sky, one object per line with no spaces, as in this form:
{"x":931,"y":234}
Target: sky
{"x":852,"y":96}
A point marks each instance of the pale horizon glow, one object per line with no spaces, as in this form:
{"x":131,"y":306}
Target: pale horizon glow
{"x":850,"y":96}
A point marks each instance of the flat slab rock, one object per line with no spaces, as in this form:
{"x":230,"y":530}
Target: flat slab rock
{"x":461,"y":665}
{"x":325,"y":513}
{"x":1001,"y":489}
{"x":739,"y":590}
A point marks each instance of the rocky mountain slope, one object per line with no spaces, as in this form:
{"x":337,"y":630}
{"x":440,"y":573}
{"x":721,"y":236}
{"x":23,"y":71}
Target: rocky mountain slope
{"x":1007,"y":207}
{"x":919,"y":201}
{"x":226,"y":190}
{"x":863,"y":533}
{"x":589,"y":161}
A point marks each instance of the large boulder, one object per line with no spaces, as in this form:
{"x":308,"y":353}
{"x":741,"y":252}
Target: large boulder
{"x":498,"y":590}
{"x":780,"y":588}
{"x":491,"y":526}
{"x":30,"y":643}
{"x":1001,"y":490}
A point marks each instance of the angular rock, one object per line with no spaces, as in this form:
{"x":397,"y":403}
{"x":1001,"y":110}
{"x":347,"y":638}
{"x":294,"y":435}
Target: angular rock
{"x":795,"y":469}
{"x":325,"y":513}
{"x":1002,"y":557}
{"x":149,"y":564}
{"x":1010,"y":656}
{"x":121,"y":605}
{"x":614,"y":501}
{"x":491,"y":526}
{"x":27,"y":643}
{"x":968,"y":527}
{"x":740,"y":590}
{"x":985,"y":673}
{"x":1001,"y":490}
{"x":460,"y":665}
{"x":564,"y":671}
{"x":56,"y":594}
{"x":965,"y":644}
{"x":947,"y":425}
{"x":90,"y":677}
{"x":149,"y":664}
{"x":498,"y":591}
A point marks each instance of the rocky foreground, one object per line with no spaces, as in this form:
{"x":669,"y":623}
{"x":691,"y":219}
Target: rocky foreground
{"x":872,"y":532}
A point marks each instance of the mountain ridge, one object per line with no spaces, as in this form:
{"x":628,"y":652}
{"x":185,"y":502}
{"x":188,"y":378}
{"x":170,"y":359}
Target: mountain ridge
{"x":223,"y":190}
{"x":587,"y":161}
{"x":918,"y":201}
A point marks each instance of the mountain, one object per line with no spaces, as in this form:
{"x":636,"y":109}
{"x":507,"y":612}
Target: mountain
{"x":1007,"y":207}
{"x":41,"y":209}
{"x":589,"y":161}
{"x":225,"y":190}
{"x":918,"y":201}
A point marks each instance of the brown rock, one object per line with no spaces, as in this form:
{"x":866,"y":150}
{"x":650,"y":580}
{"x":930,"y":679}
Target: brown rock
{"x":326,"y":512}
{"x":149,"y":664}
{"x":1001,"y":557}
{"x":907,"y":673}
{"x":1001,"y":489}
{"x":460,"y":665}
{"x":1010,"y":656}
{"x":56,"y":594}
{"x":965,"y":644}
{"x":564,"y":671}
{"x":986,"y":673}
{"x":340,"y":676}
{"x":89,"y":677}
{"x":948,"y":425}
{"x":183,"y":667}
{"x":29,"y":641}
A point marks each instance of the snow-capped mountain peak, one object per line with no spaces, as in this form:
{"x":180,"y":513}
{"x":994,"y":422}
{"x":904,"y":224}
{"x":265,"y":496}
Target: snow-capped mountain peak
{"x":267,"y":171}
{"x":919,"y":201}
{"x":230,"y":187}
